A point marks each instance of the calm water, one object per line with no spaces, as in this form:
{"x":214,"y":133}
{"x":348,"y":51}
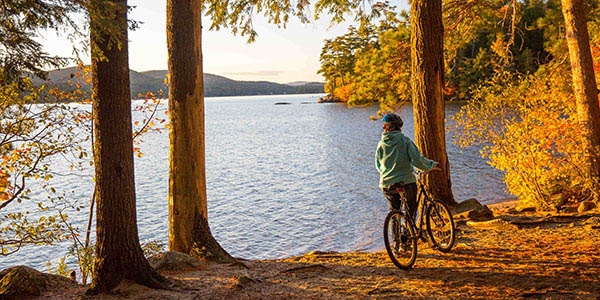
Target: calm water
{"x":282,"y":180}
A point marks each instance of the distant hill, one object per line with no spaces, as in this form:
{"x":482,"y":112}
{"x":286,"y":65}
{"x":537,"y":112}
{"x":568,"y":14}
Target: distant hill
{"x":214,"y":85}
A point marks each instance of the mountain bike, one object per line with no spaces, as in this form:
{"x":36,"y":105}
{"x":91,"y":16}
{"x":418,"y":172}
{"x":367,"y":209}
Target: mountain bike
{"x":402,"y":232}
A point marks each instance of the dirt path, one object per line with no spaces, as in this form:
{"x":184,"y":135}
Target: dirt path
{"x":538,"y":258}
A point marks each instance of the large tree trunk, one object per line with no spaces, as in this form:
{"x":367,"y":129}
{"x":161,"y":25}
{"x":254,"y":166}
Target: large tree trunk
{"x":118,"y":252}
{"x":584,"y":82}
{"x":189,"y":231}
{"x":427,"y":59}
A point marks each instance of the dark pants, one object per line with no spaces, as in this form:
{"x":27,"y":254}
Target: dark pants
{"x":393,"y":197}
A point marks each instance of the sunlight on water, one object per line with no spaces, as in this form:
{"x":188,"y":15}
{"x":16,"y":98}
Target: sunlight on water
{"x":282,"y":180}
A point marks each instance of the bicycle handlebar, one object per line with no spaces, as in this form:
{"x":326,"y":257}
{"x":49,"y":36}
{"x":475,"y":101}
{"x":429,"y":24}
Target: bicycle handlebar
{"x":420,"y":171}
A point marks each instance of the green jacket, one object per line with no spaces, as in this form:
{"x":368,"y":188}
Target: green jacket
{"x":396,"y":155}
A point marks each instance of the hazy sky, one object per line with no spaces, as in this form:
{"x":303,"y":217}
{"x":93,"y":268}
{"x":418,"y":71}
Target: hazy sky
{"x":277,"y":55}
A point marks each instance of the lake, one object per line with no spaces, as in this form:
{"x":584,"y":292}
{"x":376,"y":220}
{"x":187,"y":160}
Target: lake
{"x":282,"y":179}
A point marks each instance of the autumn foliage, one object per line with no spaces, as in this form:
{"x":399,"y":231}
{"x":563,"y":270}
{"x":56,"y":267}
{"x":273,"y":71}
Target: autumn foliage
{"x":30,"y":134}
{"x":38,"y":124}
{"x":527,"y":127}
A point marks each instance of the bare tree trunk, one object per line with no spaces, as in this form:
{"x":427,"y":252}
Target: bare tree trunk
{"x":189,"y":231}
{"x":118,"y":252}
{"x":584,"y":82}
{"x":427,"y":59}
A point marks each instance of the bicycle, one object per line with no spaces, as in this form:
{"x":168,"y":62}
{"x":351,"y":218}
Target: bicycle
{"x":400,"y":234}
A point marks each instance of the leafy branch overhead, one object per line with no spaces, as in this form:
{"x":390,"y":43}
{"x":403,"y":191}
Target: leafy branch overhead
{"x":238,"y":15}
{"x":20,"y":23}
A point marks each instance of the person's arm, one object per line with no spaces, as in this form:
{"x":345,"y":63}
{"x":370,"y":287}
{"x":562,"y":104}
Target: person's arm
{"x":377,"y":159}
{"x":418,"y":160}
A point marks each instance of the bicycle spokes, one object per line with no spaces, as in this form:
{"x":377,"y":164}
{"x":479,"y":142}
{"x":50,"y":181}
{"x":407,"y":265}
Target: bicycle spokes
{"x":400,"y":240}
{"x":440,"y":226}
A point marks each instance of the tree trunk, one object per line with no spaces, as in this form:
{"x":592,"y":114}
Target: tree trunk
{"x":189,"y":231}
{"x":118,"y":252}
{"x":427,"y":68}
{"x":584,"y":82}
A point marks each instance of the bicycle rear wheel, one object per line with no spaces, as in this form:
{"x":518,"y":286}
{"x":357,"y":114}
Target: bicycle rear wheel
{"x":400,"y":239}
{"x":440,"y":226}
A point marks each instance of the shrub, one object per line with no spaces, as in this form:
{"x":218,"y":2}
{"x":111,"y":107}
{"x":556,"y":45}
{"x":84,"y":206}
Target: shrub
{"x":527,"y":127}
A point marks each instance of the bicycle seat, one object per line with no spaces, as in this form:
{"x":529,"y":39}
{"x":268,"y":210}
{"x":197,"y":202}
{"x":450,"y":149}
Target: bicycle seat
{"x":399,"y":186}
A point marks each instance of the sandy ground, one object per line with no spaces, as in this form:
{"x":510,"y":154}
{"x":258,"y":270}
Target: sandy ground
{"x":518,"y":257}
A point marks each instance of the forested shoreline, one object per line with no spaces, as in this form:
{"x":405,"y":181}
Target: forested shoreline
{"x":155,"y":82}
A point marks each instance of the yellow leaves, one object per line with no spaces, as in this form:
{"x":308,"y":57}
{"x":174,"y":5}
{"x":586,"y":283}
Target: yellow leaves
{"x":5,"y":186}
{"x":532,"y":134}
{"x":23,"y":231}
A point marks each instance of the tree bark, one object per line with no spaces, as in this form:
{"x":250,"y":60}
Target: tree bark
{"x":427,"y":68}
{"x":584,"y":82}
{"x":189,"y":231}
{"x":118,"y":252}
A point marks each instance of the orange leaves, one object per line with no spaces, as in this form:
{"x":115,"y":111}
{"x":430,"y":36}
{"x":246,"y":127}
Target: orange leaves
{"x":5,"y":186}
{"x":343,"y":93}
{"x":81,"y":117}
{"x":530,"y":127}
{"x":11,"y":165}
{"x":137,"y":151}
{"x":147,"y":120}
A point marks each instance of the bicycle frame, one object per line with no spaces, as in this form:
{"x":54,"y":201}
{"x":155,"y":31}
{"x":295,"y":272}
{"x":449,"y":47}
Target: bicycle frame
{"x":423,"y":201}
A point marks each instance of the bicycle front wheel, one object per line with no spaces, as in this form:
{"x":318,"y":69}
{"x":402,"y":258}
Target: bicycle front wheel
{"x":400,"y":239}
{"x":440,"y":226}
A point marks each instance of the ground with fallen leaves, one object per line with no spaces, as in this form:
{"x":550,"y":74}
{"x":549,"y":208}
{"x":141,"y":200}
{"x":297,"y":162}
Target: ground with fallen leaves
{"x":520,"y":256}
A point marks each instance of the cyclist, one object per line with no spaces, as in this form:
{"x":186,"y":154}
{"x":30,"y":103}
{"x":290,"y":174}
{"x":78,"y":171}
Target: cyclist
{"x":395,"y":158}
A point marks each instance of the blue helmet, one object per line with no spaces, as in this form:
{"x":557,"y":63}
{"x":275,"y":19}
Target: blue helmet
{"x":394,"y":120}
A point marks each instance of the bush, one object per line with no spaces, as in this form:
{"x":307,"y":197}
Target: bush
{"x":527,"y":127}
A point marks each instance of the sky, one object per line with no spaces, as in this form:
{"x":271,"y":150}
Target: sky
{"x":281,"y":55}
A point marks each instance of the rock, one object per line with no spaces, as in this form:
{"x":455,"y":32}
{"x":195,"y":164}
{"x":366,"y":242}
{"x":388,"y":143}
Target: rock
{"x":173,"y":261}
{"x":21,"y":282}
{"x":329,"y":98}
{"x":483,"y":214}
{"x":585,"y":206}
{"x":467,"y":205}
{"x":508,"y":206}
{"x":244,"y":280}
{"x":472,"y":210}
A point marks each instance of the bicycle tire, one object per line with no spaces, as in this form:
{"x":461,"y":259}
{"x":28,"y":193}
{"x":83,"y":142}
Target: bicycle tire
{"x":403,"y":250}
{"x":440,"y":226}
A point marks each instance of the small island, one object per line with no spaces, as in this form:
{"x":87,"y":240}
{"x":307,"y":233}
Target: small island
{"x":329,"y":98}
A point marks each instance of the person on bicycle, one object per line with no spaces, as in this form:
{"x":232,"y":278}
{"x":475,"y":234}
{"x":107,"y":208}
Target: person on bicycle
{"x":395,"y":158}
